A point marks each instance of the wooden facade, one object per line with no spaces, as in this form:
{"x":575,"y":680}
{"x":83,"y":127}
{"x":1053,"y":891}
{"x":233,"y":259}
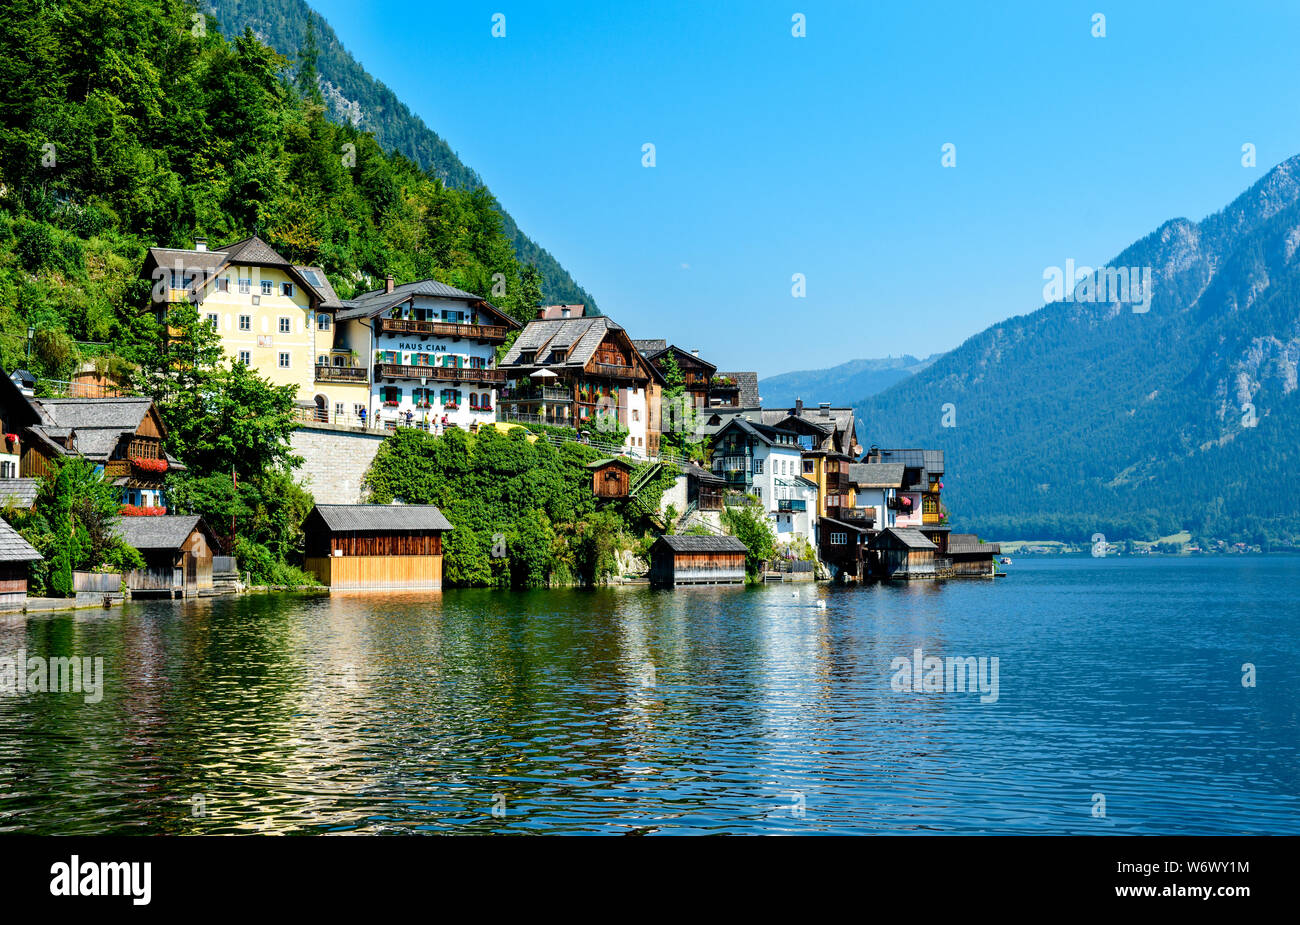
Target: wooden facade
{"x":16,"y":556}
{"x":697,"y":560}
{"x":375,"y":547}
{"x":611,"y":478}
{"x":903,"y":552}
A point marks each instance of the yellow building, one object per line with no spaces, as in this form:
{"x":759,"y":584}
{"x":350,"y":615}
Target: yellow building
{"x":275,"y":317}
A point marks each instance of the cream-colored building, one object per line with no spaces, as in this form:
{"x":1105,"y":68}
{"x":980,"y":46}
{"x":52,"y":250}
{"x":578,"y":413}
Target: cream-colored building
{"x":275,"y":317}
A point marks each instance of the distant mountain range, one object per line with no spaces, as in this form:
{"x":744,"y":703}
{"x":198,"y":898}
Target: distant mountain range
{"x":352,"y":95}
{"x":840,"y":385}
{"x":1090,"y":417}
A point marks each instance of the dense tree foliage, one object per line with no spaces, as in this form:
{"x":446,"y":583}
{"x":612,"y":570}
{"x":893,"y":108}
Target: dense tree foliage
{"x":524,"y":511}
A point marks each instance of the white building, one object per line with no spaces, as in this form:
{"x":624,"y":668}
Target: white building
{"x":768,"y":463}
{"x":432,"y":350}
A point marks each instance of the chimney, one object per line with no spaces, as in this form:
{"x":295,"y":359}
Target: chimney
{"x":798,"y":407}
{"x":824,"y":408}
{"x":388,"y":283}
{"x":564,"y":312}
{"x":695,"y":353}
{"x":200,"y":244}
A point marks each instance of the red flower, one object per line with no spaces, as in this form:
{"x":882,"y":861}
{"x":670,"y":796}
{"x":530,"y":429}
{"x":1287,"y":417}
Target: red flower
{"x":11,"y":438}
{"x":157,"y":466}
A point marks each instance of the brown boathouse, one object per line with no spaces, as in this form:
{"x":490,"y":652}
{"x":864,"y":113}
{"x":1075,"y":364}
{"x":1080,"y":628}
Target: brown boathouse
{"x":177,"y":551}
{"x":376,"y":547}
{"x":16,"y":556}
{"x":697,"y":560}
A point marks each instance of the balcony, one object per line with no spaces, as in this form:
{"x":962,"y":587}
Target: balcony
{"x":483,"y":333}
{"x":732,"y":462}
{"x":791,"y":506}
{"x":616,"y":372}
{"x":440,"y":373}
{"x":855,"y":514}
{"x":340,"y":373}
{"x":537,"y":393}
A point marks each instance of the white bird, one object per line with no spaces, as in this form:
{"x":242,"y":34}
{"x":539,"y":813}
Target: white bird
{"x":794,"y":593}
{"x":821,"y":605}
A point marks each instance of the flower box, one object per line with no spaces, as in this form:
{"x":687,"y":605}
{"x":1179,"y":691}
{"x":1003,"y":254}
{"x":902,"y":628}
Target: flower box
{"x":142,"y":510}
{"x":390,"y":404}
{"x":153,"y":466}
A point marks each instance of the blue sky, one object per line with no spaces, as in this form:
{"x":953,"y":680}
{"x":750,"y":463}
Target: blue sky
{"x":821,"y":155}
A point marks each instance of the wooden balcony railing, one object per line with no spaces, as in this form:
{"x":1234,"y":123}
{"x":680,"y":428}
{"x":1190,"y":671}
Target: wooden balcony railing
{"x":439,"y":373}
{"x":486,"y":333}
{"x":616,"y":372}
{"x":340,"y":373}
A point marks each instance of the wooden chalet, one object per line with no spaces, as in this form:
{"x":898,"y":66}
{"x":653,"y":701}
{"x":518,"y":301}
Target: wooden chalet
{"x":16,"y":557}
{"x":904,"y":552}
{"x":570,"y":372}
{"x":177,"y":550}
{"x":375,"y":547}
{"x":611,"y":478}
{"x":677,"y":560}
{"x":737,"y":389}
{"x":697,"y":374}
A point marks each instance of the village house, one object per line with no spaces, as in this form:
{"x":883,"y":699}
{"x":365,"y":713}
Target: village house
{"x":766,"y":462}
{"x":677,"y":560}
{"x":917,"y":502}
{"x":584,"y":373}
{"x":375,"y":547}
{"x":697,"y":374}
{"x":273,"y":316}
{"x":737,"y":389}
{"x":904,"y":552}
{"x":434,"y":351}
{"x":16,"y":557}
{"x":177,"y":549}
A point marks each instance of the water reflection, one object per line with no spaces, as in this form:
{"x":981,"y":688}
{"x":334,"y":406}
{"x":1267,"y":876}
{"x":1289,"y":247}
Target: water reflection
{"x":714,"y":710}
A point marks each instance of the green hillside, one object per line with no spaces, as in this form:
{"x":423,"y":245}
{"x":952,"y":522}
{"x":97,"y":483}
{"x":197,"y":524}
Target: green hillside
{"x":351,"y":95}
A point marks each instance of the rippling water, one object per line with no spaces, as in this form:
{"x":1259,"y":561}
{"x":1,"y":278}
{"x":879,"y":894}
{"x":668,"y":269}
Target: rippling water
{"x":722,"y":710}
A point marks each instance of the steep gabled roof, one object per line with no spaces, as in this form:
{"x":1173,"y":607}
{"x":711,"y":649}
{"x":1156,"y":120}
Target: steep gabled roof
{"x":759,"y":431}
{"x":649,"y":348}
{"x":381,"y":518}
{"x":18,"y":492}
{"x":316,"y":278}
{"x":254,"y":251}
{"x":13,"y":548}
{"x":910,"y":537}
{"x":577,"y":338}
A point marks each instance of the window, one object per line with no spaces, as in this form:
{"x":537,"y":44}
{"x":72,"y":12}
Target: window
{"x":286,"y":289}
{"x":212,"y":321}
{"x":338,"y":409}
{"x":284,"y":360}
{"x":322,"y":360}
{"x":636,"y":414}
{"x":8,"y":470}
{"x":245,"y":358}
{"x":223,"y":284}
{"x":245,"y":322}
{"x":245,"y":286}
{"x":807,"y":467}
{"x":839,"y":539}
{"x":759,"y":471}
{"x":267,"y":287}
{"x":322,"y":322}
{"x":286,"y":325}
{"x":391,"y":394}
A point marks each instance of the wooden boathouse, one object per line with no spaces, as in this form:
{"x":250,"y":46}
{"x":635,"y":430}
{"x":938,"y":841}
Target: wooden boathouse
{"x":16,"y":556}
{"x":375,"y":547}
{"x":972,"y":558}
{"x":177,"y":551}
{"x":697,"y":560}
{"x":904,"y":552}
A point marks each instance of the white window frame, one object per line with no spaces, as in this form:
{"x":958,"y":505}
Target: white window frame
{"x":284,"y":359}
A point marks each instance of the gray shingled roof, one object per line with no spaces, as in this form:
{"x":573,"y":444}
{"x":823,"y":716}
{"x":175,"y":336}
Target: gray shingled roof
{"x":366,"y":518}
{"x":839,"y":420}
{"x":876,"y":475}
{"x":679,"y":542}
{"x":650,"y":347}
{"x":578,"y":336}
{"x":253,"y":250}
{"x":959,"y":543}
{"x":13,"y":548}
{"x":21,"y":492}
{"x":747,"y":384}
{"x":165,"y":531}
{"x":122,"y":414}
{"x":929,"y":460}
{"x":910,"y":537}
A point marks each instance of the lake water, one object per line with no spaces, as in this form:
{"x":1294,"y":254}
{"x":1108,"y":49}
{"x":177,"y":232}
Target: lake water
{"x":709,"y":710}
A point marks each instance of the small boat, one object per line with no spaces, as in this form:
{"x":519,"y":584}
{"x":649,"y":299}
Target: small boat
{"x":1005,"y":561}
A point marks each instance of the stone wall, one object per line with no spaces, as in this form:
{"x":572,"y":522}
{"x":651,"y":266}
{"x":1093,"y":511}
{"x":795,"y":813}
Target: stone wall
{"x":334,"y":460}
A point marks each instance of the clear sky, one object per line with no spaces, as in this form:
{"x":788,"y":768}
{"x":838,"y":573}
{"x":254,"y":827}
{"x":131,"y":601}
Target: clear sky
{"x":821,"y":155}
